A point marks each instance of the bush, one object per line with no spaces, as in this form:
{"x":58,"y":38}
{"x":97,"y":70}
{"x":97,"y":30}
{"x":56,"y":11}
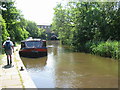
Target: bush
{"x":107,"y":49}
{"x":89,"y":45}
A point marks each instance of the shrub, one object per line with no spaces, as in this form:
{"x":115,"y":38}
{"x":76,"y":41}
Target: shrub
{"x":107,"y":49}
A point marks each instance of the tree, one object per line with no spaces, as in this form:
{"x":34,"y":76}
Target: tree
{"x":14,"y":21}
{"x":34,"y":31}
{"x":80,"y":22}
{"x":61,"y":23}
{"x":3,"y":31}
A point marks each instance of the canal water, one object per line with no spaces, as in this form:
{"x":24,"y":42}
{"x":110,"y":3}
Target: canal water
{"x":65,"y":69}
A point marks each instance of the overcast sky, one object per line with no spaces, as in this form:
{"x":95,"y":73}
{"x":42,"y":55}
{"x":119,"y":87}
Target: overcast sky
{"x":39,"y":11}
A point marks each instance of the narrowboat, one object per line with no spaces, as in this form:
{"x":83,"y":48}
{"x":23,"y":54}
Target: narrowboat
{"x":33,"y":48}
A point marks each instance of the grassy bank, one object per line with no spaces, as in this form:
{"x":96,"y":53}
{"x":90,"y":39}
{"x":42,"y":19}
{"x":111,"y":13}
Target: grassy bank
{"x":109,"y":49}
{"x":106,"y":49}
{"x":1,"y":56}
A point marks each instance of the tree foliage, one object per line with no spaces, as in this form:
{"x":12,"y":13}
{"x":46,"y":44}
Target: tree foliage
{"x":77,"y":23}
{"x":13,"y":20}
{"x":34,"y":31}
{"x":3,"y":31}
{"x":15,"y":25}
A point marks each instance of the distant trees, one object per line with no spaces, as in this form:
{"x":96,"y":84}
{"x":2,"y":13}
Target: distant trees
{"x":15,"y":25}
{"x":34,"y":31}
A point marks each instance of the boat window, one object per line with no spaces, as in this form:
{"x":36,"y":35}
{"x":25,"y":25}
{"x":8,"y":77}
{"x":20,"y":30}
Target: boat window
{"x":33,"y":44}
{"x":44,"y":44}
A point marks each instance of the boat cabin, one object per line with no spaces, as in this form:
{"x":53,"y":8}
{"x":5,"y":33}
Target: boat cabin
{"x":33,"y":48}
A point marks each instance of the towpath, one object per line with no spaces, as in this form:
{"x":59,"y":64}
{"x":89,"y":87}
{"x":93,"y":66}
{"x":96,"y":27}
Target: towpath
{"x":12,"y":77}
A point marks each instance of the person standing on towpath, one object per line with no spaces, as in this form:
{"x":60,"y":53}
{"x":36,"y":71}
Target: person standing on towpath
{"x":9,"y":49}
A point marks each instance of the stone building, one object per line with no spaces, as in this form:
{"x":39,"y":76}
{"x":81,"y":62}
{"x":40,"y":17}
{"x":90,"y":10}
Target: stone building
{"x":46,"y":27}
{"x":50,"y":35}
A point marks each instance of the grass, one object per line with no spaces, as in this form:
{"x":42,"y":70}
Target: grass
{"x":1,"y":56}
{"x":107,"y":49}
{"x":21,"y":79}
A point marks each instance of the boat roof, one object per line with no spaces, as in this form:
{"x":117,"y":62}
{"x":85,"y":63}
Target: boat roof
{"x":31,"y":39}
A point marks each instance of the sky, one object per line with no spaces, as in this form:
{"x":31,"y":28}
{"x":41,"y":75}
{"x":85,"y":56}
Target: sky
{"x":39,"y":11}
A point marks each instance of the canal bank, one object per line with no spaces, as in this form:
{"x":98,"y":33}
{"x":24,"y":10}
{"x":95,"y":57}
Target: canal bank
{"x":13,"y":77}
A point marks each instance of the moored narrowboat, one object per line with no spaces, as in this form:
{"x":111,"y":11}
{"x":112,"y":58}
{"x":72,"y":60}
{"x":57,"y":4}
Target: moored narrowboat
{"x":33,"y":48}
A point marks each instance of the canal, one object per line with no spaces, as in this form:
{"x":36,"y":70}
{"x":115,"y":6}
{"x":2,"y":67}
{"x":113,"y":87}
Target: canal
{"x":65,"y":69}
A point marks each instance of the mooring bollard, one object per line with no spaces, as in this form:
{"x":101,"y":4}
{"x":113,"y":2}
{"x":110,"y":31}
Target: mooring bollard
{"x":21,"y":69}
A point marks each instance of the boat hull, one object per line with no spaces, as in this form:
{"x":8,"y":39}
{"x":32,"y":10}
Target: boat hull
{"x":33,"y":53}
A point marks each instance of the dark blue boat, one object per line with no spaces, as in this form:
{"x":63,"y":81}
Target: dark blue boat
{"x":33,"y":48}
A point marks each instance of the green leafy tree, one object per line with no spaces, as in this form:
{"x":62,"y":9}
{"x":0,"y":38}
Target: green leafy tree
{"x":80,"y":22}
{"x":3,"y":31}
{"x":14,"y":22}
{"x":34,"y":31}
{"x":61,"y":23}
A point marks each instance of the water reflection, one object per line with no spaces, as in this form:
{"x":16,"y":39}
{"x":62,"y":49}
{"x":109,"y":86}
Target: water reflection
{"x":36,"y":63}
{"x":65,"y":69}
{"x":41,"y":70}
